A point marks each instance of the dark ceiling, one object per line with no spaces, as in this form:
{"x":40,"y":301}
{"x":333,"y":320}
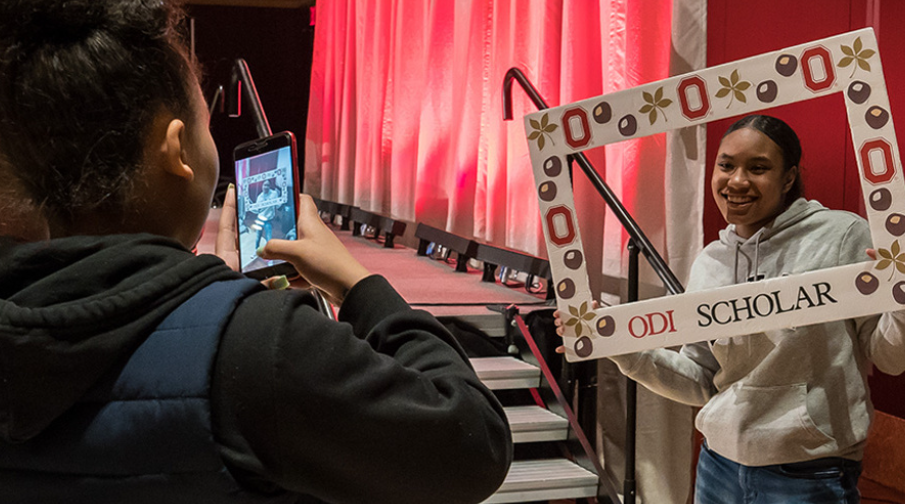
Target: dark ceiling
{"x":257,"y":3}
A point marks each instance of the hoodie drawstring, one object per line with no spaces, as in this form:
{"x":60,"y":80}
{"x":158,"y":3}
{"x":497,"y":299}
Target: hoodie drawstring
{"x":756,"y":254}
{"x":738,"y":251}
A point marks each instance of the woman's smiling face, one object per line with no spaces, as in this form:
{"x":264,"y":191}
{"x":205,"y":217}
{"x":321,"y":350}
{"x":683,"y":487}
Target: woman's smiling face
{"x":749,"y":180}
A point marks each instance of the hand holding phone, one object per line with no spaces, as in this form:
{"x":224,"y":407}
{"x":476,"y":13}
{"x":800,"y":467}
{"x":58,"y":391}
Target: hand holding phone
{"x":318,"y":255}
{"x":267,"y":190}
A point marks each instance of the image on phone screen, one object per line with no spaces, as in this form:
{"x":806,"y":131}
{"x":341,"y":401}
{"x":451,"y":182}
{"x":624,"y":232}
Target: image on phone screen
{"x":265,"y":203}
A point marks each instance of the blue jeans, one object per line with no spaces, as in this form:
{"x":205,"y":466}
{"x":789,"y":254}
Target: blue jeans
{"x":824,"y":481}
{"x":267,"y":232}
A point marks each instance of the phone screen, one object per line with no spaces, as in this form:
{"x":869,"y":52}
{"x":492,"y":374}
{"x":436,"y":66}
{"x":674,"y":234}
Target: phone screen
{"x":266,"y":202}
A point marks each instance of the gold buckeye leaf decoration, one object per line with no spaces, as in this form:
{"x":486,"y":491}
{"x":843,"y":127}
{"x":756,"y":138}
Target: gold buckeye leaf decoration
{"x":653,"y":104}
{"x":890,"y":257}
{"x":580,"y":318}
{"x":856,"y":54}
{"x":541,"y":130}
{"x":734,"y":86}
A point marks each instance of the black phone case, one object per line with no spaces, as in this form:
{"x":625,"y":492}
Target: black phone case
{"x":256,"y":147}
{"x":271,"y":271}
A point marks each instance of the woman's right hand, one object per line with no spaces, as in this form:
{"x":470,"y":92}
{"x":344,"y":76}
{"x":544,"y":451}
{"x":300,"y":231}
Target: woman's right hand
{"x":560,"y":327}
{"x":318,"y":255}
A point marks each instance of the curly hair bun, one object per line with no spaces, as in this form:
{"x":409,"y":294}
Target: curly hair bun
{"x":38,"y":22}
{"x":89,"y":74}
{"x":42,"y":21}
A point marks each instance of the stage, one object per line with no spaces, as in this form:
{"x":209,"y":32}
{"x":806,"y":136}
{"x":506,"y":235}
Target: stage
{"x":425,"y":283}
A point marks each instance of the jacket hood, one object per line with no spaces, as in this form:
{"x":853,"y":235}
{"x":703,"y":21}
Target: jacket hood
{"x":72,"y":308}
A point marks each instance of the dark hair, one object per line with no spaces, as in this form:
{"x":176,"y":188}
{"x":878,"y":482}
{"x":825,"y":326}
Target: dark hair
{"x":785,"y":138}
{"x":80,"y":84}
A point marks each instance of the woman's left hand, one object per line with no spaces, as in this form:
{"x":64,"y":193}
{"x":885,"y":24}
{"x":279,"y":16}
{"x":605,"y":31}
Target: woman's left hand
{"x":227,"y":248}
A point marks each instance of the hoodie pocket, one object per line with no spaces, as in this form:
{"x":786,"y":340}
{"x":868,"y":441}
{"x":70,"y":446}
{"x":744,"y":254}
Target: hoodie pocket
{"x":763,"y":425}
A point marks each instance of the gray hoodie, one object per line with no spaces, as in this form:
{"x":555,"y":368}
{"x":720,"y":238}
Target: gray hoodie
{"x":789,"y":395}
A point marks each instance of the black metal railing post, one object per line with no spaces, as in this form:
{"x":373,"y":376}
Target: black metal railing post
{"x":629,"y":491}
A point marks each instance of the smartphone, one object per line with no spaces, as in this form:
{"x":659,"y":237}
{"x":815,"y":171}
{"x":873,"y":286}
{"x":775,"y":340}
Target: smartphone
{"x":267,"y":200}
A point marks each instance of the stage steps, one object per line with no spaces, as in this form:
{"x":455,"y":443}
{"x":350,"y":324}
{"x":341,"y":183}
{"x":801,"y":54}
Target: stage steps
{"x":501,"y":373}
{"x":531,"y":424}
{"x":540,"y":432}
{"x":539,"y":480}
{"x":533,"y":480}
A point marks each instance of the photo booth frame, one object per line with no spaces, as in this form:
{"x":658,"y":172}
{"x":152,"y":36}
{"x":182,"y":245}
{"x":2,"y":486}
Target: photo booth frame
{"x":280,"y":181}
{"x":849,"y":64}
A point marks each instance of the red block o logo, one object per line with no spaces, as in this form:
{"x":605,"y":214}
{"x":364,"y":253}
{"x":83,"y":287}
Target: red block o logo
{"x":817,"y":59}
{"x":560,"y":226}
{"x":888,"y":169}
{"x":689,"y":89}
{"x":582,"y":117}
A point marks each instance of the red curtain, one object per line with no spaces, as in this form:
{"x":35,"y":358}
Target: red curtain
{"x":405,"y":116}
{"x":405,"y":119}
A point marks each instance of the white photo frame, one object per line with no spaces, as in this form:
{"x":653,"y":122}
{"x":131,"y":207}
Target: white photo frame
{"x":847,"y":64}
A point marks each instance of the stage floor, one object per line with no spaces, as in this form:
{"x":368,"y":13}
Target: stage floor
{"x":434,"y":285}
{"x":425,"y":283}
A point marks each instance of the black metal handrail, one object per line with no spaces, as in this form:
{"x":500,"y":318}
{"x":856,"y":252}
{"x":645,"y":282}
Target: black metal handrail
{"x":653,"y":257}
{"x":638,"y":242}
{"x":241,"y":84}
